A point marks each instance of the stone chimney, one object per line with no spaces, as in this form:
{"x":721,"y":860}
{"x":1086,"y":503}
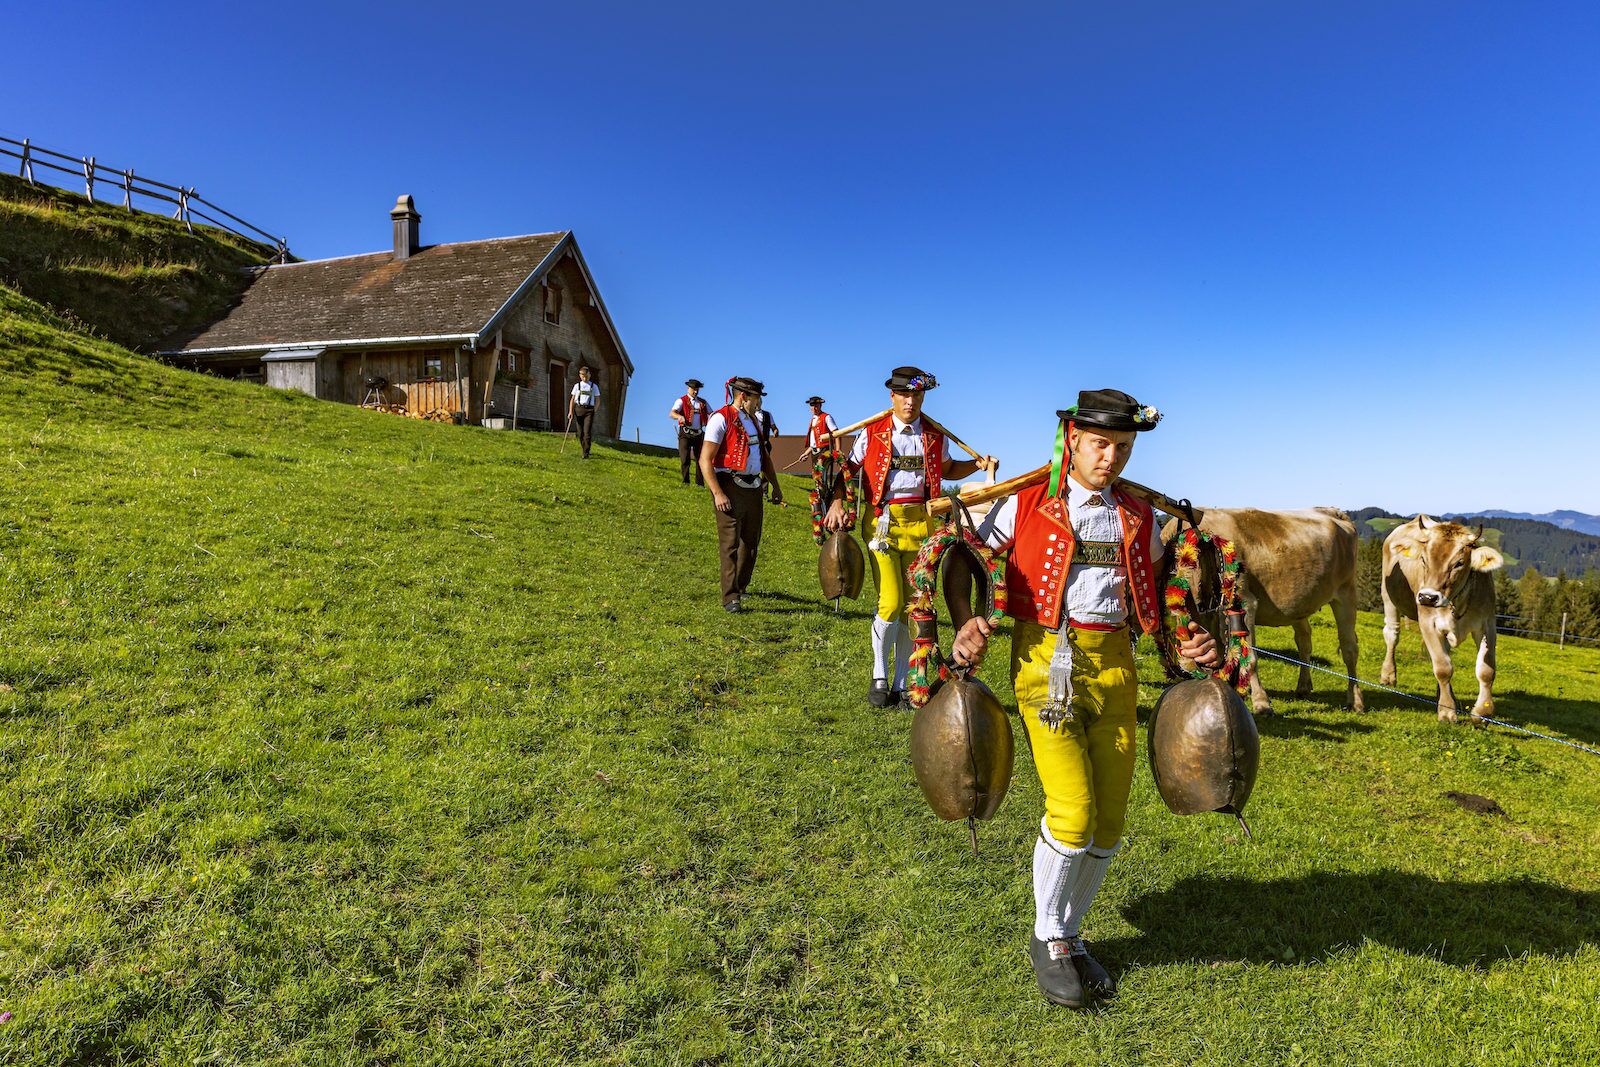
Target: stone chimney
{"x":407,"y":228}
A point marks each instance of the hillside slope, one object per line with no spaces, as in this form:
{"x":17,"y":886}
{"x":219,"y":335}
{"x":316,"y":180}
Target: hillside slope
{"x":329,"y":736}
{"x":132,"y":277}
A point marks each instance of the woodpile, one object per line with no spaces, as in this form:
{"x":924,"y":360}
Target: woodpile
{"x":435,"y":415}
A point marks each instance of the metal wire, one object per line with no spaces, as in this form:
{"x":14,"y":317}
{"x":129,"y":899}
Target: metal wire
{"x":1424,"y":700}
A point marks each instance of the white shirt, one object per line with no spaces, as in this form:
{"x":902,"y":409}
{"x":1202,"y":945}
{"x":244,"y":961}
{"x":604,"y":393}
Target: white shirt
{"x":695,"y":418}
{"x":585,"y":394}
{"x":1093,"y":594}
{"x":717,"y":429}
{"x":828,"y":424}
{"x":905,"y":439}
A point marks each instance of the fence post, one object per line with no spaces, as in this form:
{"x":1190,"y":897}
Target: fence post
{"x":127,"y":188}
{"x":88,"y":176}
{"x":516,"y":404}
{"x":25,"y":171}
{"x":1563,"y":643}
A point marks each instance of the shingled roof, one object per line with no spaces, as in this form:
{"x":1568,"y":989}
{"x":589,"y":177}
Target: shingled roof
{"x":453,"y":292}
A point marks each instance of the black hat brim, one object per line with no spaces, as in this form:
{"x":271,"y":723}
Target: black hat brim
{"x":1104,"y":420}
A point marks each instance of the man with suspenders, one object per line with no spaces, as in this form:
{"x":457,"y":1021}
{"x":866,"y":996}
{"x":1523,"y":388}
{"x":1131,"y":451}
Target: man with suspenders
{"x":585,"y":398}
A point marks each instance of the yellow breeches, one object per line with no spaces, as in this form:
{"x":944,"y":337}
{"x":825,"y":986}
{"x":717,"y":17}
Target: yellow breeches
{"x":1086,"y":766}
{"x":909,"y":526}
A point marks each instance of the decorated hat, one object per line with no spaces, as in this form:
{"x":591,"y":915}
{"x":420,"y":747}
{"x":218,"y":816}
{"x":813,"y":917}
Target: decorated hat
{"x":815,"y":400}
{"x":695,"y":383}
{"x":911,"y":380}
{"x":741,"y":384}
{"x":1110,"y":409}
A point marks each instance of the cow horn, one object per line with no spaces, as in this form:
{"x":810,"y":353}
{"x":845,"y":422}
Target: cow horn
{"x":1479,"y":535}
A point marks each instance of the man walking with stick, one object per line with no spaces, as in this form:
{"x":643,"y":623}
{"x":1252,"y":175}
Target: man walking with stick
{"x":690,"y":412}
{"x":734,"y":461}
{"x":581,"y":408}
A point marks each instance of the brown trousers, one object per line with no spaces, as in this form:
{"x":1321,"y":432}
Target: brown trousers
{"x":689,"y":455}
{"x":738,"y":536}
{"x":584,"y":421}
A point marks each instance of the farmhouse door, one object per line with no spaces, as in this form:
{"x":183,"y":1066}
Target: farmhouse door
{"x":558,"y":394}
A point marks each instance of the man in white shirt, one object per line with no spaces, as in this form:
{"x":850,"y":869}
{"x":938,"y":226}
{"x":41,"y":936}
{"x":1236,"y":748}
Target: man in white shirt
{"x":1081,"y":565}
{"x":903,"y":459}
{"x":735,"y":462}
{"x":581,"y":408}
{"x":690,"y":412}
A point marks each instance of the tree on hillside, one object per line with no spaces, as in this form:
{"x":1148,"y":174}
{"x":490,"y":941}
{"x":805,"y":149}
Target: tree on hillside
{"x":1369,"y":575}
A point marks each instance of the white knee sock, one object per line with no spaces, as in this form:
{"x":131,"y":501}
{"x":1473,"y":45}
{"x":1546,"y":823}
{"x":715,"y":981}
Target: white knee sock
{"x":882,"y":648}
{"x":1089,"y":872}
{"x":902,"y":653}
{"x":1055,"y":870}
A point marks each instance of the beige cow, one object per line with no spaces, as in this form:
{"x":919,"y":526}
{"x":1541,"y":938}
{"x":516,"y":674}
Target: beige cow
{"x":1295,"y":562}
{"x":1437,"y":574}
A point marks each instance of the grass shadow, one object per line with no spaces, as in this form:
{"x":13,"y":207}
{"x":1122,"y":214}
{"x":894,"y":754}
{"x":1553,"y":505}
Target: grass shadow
{"x":1575,"y":719}
{"x":1299,"y":727}
{"x":1301,"y":920}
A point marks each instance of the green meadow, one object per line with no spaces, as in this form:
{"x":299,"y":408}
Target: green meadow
{"x":330,"y":736}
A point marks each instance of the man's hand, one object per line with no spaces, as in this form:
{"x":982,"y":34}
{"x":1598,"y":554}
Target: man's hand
{"x":972,"y":642}
{"x":720,"y":500}
{"x":776,"y":495}
{"x":1202,"y":648}
{"x":835,"y":517}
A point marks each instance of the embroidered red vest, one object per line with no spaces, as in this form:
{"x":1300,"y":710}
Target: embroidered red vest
{"x":819,"y":425}
{"x":1042,"y":551}
{"x":687,"y":406}
{"x":734,"y":449}
{"x":879,"y":451}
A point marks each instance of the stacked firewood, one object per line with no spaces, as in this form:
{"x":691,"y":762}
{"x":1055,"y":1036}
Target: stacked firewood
{"x":435,"y":415}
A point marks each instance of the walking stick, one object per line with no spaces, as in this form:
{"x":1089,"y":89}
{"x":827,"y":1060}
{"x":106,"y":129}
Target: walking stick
{"x":563,"y":448}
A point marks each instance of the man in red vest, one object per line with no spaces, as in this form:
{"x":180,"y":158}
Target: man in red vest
{"x":735,"y":461}
{"x":1080,"y":574}
{"x":690,"y":412}
{"x":904,"y":459}
{"x":821,"y":423}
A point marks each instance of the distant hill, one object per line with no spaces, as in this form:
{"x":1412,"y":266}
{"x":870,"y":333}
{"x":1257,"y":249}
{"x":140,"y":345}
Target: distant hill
{"x":1524,"y":542}
{"x":1566,"y":520}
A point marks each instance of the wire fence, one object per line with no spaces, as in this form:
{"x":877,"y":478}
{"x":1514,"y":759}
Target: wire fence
{"x":1561,"y":636}
{"x":189,"y":206}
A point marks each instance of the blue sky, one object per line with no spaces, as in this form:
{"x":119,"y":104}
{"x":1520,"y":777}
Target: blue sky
{"x":1351,"y":251}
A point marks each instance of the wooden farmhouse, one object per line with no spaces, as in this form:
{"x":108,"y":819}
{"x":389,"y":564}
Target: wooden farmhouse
{"x":471,"y":331}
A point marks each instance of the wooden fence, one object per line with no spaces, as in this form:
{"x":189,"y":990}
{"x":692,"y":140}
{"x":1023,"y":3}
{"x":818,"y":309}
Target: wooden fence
{"x":189,"y":205}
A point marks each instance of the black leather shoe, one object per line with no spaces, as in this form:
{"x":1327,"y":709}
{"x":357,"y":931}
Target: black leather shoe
{"x":1057,"y":977}
{"x":733,"y":605}
{"x":897,"y":699}
{"x":879,"y":695}
{"x":1096,"y":979}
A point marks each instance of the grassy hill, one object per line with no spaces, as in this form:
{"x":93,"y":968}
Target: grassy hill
{"x":132,"y":277}
{"x":329,"y":736}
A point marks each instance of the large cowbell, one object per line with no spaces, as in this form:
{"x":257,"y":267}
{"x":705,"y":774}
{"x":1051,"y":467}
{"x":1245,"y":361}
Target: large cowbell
{"x":841,"y":566}
{"x":1204,"y":749}
{"x":961,"y":744}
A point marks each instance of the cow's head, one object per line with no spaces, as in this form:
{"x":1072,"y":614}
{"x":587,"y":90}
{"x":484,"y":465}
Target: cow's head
{"x":1439,"y":557}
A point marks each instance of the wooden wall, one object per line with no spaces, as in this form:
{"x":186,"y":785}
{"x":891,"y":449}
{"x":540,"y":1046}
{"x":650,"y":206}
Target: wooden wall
{"x":410,"y":383}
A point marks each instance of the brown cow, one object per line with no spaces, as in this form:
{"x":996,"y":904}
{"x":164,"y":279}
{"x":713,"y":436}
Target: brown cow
{"x":1437,"y":574}
{"x":1295,"y":562}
